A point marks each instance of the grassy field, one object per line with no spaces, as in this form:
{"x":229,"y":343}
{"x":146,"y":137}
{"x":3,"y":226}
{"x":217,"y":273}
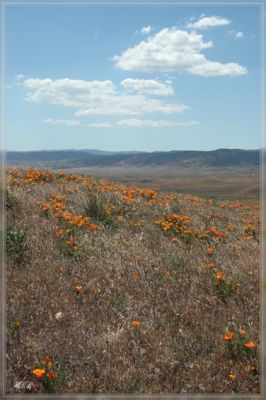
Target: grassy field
{"x":234,"y":182}
{"x":122,"y":289}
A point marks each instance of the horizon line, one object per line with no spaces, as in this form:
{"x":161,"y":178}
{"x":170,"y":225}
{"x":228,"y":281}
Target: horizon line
{"x":132,"y":151}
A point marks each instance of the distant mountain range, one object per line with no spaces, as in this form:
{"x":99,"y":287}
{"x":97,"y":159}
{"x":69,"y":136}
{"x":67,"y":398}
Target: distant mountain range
{"x":97,"y":158}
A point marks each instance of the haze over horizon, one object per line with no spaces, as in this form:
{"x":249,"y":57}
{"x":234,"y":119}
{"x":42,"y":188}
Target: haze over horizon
{"x":132,"y":78}
{"x":126,"y":150}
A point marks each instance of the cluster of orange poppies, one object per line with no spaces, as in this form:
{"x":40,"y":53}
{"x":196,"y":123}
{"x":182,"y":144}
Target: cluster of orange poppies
{"x":178,"y":225}
{"x":67,"y":224}
{"x":46,"y":371}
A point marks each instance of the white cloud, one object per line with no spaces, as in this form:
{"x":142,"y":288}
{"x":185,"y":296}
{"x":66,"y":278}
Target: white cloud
{"x":96,"y":98}
{"x":149,"y":86}
{"x":131,"y":105}
{"x":237,"y":35}
{"x":139,"y":123}
{"x":67,"y":122}
{"x":172,"y":49}
{"x":67,"y":92}
{"x":146,"y":30}
{"x":100,"y":125}
{"x":208,"y":22}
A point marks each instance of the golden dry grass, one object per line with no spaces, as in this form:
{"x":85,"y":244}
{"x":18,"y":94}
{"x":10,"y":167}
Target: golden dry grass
{"x":127,"y":290}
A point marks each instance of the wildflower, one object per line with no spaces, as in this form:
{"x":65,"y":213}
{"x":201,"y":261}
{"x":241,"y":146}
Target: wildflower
{"x":51,"y":375}
{"x":17,"y":323}
{"x":48,"y":361}
{"x":228,"y":336}
{"x":219,"y":276}
{"x":38,"y":372}
{"x":209,"y":265}
{"x":70,"y":240}
{"x":210,"y":250}
{"x":135,"y":323}
{"x":232,"y":376}
{"x":249,"y":345}
{"x":78,"y":288}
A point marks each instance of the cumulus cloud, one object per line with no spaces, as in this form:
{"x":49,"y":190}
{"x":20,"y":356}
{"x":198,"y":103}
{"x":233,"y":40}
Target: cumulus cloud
{"x":172,"y":49}
{"x":96,"y":98}
{"x":148,"y":86}
{"x":67,"y":92}
{"x":140,"y":123}
{"x":146,"y":30}
{"x":67,"y":122}
{"x":208,"y":22}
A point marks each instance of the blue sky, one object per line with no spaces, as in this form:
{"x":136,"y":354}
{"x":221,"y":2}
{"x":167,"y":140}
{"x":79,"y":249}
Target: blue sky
{"x":132,"y":77}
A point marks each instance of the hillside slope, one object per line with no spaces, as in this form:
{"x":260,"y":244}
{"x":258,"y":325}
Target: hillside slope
{"x":85,"y":158}
{"x":116,"y":289}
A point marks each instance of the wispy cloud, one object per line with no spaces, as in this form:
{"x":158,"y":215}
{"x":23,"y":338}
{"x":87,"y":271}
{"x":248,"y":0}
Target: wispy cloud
{"x":140,"y":123}
{"x":148,"y":86}
{"x":146,"y":30}
{"x":237,"y":35}
{"x":100,"y":125}
{"x":67,"y":122}
{"x":208,"y":22}
{"x":19,"y":77}
{"x":172,"y":49}
{"x":96,"y":98}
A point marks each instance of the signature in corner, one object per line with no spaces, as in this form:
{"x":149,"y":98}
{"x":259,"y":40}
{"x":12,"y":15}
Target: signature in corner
{"x":23,"y":385}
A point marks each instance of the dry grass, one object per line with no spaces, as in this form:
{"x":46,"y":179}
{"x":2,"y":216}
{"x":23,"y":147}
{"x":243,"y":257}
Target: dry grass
{"x":146,"y":294}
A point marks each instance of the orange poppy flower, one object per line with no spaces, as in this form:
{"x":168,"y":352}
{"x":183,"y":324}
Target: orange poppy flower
{"x":78,"y":288}
{"x":249,"y":345}
{"x":38,"y":372}
{"x":228,"y":336}
{"x":210,"y":250}
{"x":219,"y":276}
{"x":48,"y":361}
{"x":51,"y":375}
{"x":135,"y":323}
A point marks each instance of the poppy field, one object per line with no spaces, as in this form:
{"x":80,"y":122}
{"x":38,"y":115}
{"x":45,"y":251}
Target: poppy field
{"x":123,"y":289}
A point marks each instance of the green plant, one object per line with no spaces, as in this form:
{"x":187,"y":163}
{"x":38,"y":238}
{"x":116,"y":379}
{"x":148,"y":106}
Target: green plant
{"x":15,"y":243}
{"x":238,"y":344}
{"x":13,"y":326}
{"x":96,"y":209}
{"x":50,"y":374}
{"x":11,"y":201}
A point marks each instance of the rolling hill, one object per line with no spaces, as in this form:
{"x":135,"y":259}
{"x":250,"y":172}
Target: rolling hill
{"x":88,"y":158}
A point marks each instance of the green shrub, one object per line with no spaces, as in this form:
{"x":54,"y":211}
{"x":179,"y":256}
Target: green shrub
{"x":15,"y":243}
